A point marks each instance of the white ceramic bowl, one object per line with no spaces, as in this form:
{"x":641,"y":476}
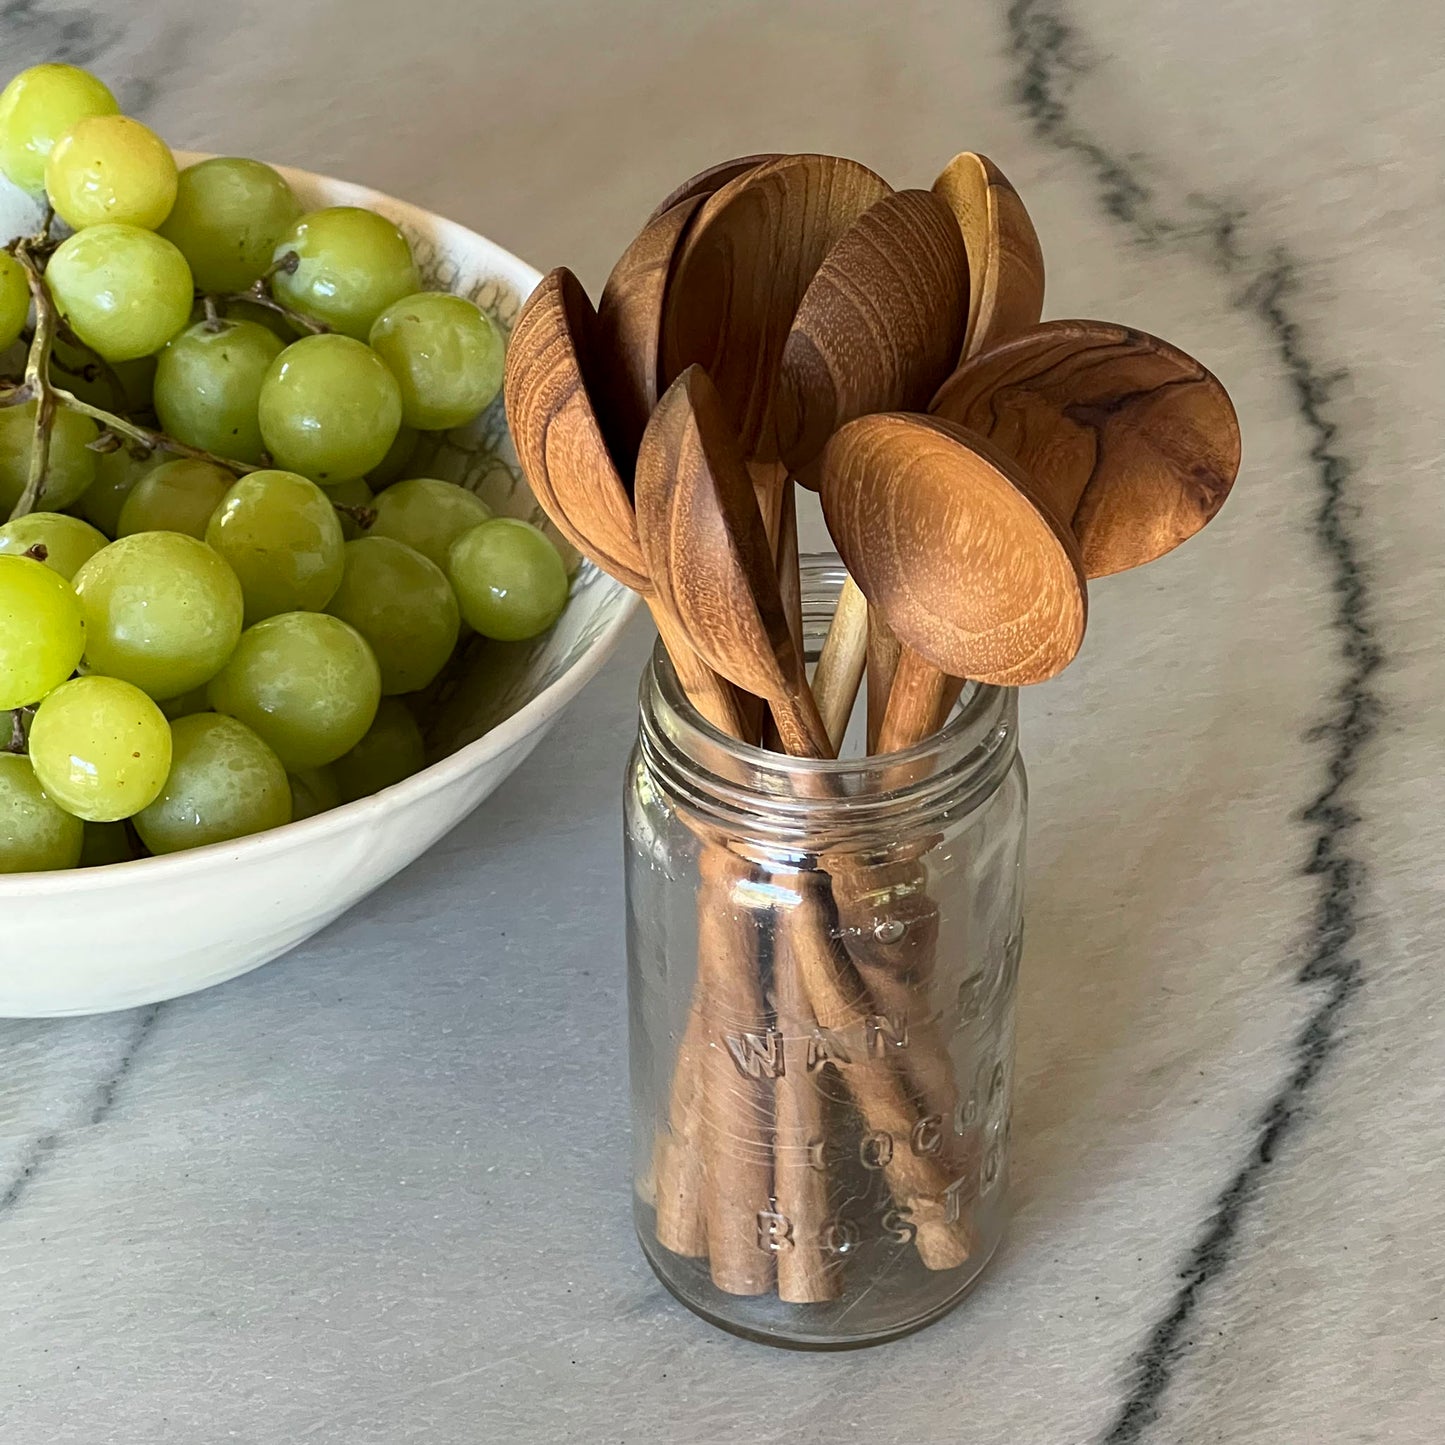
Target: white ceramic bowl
{"x":132,"y":933}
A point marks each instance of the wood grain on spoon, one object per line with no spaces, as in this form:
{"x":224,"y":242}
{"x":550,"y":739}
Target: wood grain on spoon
{"x":746,"y":262}
{"x":557,"y":431}
{"x":701,"y":1191}
{"x":879,"y":327}
{"x":1005,"y":259}
{"x":882,"y":319}
{"x":629,"y":319}
{"x":572,"y":473}
{"x":967,"y":568}
{"x":1131,"y":442}
{"x":712,"y":178}
{"x":709,"y":552}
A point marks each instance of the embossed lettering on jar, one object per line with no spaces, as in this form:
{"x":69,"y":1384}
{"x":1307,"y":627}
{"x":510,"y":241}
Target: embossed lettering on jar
{"x":822,"y":967}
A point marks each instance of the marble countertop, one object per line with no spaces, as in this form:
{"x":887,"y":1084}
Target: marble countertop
{"x":377,"y":1191}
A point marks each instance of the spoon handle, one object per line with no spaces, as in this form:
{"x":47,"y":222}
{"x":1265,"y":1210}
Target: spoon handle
{"x":800,"y":726}
{"x":883,"y":651}
{"x":714,"y":697}
{"x":913,"y":704}
{"x":840,"y":664}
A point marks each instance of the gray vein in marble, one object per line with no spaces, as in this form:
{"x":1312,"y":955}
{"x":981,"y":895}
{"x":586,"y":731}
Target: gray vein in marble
{"x":41,"y":1149}
{"x":1044,"y":43}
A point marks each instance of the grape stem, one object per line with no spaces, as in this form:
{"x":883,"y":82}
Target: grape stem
{"x":17,"y":743}
{"x":37,"y":386}
{"x":364,"y":517}
{"x":258,"y":295}
{"x":118,"y":426}
{"x":37,"y":380}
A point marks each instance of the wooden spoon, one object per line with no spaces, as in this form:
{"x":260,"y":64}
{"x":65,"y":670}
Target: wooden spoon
{"x":1006,"y":291}
{"x":746,"y":262}
{"x":630,"y":311}
{"x":566,"y":459}
{"x":974,"y":575}
{"x":700,"y":1201}
{"x":701,"y":529}
{"x":703,"y":536}
{"x":1006,"y":262}
{"x":1133,"y":444}
{"x":883,"y":317}
{"x":879,"y":327}
{"x":630,"y":321}
{"x":713,"y":178}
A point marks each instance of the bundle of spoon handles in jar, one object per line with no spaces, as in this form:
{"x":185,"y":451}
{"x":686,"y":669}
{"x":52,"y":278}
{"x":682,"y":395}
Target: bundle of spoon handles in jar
{"x":792,"y":320}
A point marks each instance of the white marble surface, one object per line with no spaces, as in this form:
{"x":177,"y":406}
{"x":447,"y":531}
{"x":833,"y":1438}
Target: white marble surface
{"x":376,"y":1192}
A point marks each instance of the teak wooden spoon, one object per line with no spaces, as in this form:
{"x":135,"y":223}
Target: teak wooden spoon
{"x":881,"y":321}
{"x":879,"y":327}
{"x":1133,"y":444}
{"x":572,"y":474}
{"x":701,"y":529}
{"x":703,"y":536}
{"x":1006,"y":262}
{"x":566,"y":459}
{"x":1006,"y":295}
{"x":746,"y":262}
{"x":710,"y":179}
{"x":629,"y":319}
{"x":974,"y":575}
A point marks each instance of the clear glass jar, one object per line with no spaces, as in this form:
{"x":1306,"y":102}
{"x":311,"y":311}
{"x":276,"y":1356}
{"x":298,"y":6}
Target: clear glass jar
{"x":822,"y":966}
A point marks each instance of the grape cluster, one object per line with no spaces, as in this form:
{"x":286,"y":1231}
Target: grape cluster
{"x":221,"y":585}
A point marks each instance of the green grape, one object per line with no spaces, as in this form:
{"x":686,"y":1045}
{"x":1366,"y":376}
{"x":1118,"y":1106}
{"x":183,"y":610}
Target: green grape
{"x":177,"y":496}
{"x":121,"y":386}
{"x":105,"y":843}
{"x":282,"y":537}
{"x":428,"y":515}
{"x":394,"y":464}
{"x":116,"y":476}
{"x":224,"y":783}
{"x":329,"y":408}
{"x":354,"y":493}
{"x":352,"y":264}
{"x":401,"y":604}
{"x":125,"y":291}
{"x":36,"y":836}
{"x":36,"y":109}
{"x":111,"y":168}
{"x":71,"y":468}
{"x":69,"y":543}
{"x":208,"y":386}
{"x":509,"y":579}
{"x":229,"y":214}
{"x":162,"y":611}
{"x":446,"y":356}
{"x":313,"y":791}
{"x":101,"y":748}
{"x":305,"y":682}
{"x":391,"y":751}
{"x":14,"y":300}
{"x":42,"y":632}
{"x":187,"y":703}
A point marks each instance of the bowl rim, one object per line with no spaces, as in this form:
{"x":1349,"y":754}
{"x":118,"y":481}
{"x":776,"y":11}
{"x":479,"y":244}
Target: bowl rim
{"x":440,"y":774}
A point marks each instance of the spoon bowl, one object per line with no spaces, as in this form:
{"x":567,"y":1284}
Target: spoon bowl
{"x":1005,"y":259}
{"x":880,"y":325}
{"x":941,"y":532}
{"x":1133,"y":444}
{"x":705,"y":541}
{"x":745,"y":265}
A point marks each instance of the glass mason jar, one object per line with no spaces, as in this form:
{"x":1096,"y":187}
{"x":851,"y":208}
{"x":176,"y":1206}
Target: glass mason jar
{"x":822,"y":964}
